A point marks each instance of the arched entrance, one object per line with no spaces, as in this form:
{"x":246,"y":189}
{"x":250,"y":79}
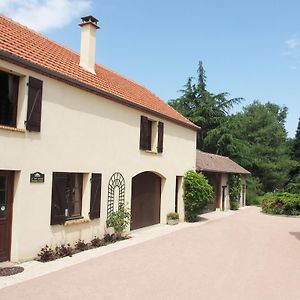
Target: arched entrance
{"x":145,"y":200}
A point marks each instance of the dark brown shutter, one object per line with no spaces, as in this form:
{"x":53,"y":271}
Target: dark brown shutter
{"x":58,"y":206}
{"x":160,"y":139}
{"x":95,"y":200}
{"x":34,"y":109}
{"x":144,"y":133}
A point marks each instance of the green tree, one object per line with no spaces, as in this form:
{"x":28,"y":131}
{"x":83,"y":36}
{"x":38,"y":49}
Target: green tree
{"x":293,"y":185}
{"x":202,"y":107}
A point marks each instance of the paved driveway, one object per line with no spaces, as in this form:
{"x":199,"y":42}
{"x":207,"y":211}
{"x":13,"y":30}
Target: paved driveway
{"x":248,"y":255}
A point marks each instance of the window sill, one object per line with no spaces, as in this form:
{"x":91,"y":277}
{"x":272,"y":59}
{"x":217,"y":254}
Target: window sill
{"x":151,"y":151}
{"x":12,"y":129}
{"x":80,"y":220}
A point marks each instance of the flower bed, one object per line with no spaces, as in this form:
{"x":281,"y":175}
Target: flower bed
{"x":48,"y":254}
{"x":281,"y":204}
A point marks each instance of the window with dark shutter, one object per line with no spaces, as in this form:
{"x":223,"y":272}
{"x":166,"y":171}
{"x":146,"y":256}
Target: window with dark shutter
{"x":34,"y":109}
{"x":160,"y":138}
{"x":66,"y":197}
{"x":144,"y":141}
{"x":59,"y":198}
{"x":95,"y":200}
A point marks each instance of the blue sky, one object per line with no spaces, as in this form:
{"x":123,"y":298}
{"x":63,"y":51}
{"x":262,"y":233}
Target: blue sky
{"x":250,"y":49}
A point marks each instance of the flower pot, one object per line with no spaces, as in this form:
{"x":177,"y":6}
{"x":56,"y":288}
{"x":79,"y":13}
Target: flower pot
{"x":173,"y":221}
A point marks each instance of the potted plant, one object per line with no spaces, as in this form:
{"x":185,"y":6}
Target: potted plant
{"x":118,"y":220}
{"x":172,"y":218}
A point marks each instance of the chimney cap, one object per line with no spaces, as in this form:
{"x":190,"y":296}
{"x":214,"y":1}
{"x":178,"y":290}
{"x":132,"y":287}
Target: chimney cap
{"x":89,"y":20}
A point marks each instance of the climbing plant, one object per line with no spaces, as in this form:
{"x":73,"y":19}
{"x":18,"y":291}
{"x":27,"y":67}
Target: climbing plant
{"x":234,"y":182}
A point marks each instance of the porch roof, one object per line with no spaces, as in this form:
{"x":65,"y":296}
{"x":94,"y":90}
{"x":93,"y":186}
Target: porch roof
{"x":216,"y":163}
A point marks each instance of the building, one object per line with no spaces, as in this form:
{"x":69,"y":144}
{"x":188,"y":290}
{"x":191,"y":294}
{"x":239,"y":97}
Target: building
{"x":217,"y":169}
{"x":77,"y":141}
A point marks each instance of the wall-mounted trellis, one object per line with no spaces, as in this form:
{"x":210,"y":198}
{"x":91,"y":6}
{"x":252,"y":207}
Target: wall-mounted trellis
{"x":116,"y":181}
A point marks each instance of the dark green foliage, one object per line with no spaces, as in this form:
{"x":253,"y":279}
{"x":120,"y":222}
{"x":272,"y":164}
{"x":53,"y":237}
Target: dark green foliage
{"x":234,"y":182}
{"x":197,"y":194}
{"x":281,"y":204}
{"x":202,"y":107}
{"x":254,"y":189}
{"x":296,"y":144}
{"x":256,"y":139}
{"x":293,"y":186}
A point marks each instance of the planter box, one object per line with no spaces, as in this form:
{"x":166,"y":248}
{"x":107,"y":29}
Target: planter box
{"x":173,"y":222}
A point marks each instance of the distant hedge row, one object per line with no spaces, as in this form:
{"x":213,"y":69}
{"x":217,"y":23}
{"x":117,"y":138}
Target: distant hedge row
{"x":281,"y":204}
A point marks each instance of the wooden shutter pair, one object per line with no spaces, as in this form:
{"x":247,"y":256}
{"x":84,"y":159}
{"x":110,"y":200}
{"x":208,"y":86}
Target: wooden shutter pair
{"x":34,"y":109}
{"x":145,"y":135}
{"x":60,"y":195}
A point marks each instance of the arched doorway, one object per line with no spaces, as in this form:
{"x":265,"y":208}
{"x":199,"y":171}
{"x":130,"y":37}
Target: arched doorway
{"x":145,"y":200}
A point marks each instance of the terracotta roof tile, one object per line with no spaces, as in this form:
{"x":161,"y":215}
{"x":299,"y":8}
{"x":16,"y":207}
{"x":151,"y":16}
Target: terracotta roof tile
{"x":217,"y":163}
{"x":35,"y":48}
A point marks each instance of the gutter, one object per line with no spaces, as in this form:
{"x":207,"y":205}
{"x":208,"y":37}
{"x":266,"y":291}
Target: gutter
{"x":76,"y":83}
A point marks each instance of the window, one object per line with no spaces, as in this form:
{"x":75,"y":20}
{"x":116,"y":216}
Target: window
{"x":151,"y":135}
{"x":66,"y":197}
{"x":9,"y":85}
{"x":9,"y":89}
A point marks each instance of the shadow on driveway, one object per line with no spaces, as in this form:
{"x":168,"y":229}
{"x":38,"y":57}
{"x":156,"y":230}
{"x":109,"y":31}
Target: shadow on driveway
{"x":296,"y":235}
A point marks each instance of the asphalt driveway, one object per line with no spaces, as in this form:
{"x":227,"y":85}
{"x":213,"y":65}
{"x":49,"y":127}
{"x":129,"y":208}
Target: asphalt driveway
{"x":248,"y":255}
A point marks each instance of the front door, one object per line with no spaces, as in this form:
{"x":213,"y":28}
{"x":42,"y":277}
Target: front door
{"x":6,"y":195}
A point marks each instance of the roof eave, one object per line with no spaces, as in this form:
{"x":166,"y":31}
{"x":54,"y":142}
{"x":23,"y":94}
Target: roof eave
{"x":50,"y":73}
{"x":225,"y":172}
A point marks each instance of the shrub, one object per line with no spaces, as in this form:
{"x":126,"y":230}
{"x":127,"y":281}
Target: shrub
{"x":234,"y":191}
{"x":97,"y":242}
{"x":173,"y":216}
{"x":119,"y":220}
{"x":80,"y":245}
{"x":197,"y":194}
{"x":281,"y":204}
{"x":46,"y":254}
{"x":64,"y":250}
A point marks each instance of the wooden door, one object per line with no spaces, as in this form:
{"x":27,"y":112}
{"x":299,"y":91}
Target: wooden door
{"x":6,"y":197}
{"x":145,"y":200}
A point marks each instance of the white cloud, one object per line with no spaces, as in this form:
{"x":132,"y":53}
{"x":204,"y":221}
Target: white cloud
{"x":44,"y":15}
{"x":292,"y":43}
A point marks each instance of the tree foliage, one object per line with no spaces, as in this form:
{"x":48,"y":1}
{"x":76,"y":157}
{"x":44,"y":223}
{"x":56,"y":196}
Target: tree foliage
{"x":255,"y":137}
{"x":203,"y":108}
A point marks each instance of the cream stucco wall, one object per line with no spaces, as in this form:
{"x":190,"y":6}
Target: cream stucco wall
{"x":224,"y":182}
{"x":81,"y":132}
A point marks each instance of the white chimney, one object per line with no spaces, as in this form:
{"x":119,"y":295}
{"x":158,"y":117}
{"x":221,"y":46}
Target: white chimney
{"x":88,"y":43}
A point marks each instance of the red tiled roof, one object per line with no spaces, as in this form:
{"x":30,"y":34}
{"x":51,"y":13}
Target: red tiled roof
{"x":38,"y":50}
{"x":217,"y":163}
